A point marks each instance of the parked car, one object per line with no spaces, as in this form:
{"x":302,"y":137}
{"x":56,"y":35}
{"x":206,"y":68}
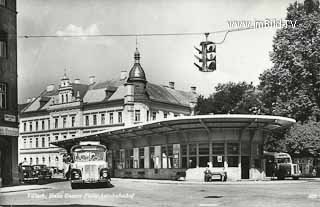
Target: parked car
{"x":29,"y":174}
{"x":43,"y":171}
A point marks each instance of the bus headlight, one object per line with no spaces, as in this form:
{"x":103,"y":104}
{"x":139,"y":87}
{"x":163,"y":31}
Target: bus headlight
{"x":104,"y":173}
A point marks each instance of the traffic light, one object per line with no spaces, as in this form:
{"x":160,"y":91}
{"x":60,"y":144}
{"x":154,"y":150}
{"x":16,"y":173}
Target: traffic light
{"x":208,"y":59}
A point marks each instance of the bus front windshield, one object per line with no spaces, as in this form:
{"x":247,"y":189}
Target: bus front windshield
{"x":88,"y":155}
{"x":283,"y":160}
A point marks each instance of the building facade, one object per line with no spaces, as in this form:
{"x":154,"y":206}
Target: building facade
{"x":8,"y":94}
{"x":74,"y":110}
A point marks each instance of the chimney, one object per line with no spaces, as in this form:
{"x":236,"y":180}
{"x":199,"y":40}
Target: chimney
{"x":123,"y":75}
{"x":171,"y":85}
{"x":77,"y":81}
{"x":92,"y":79}
{"x":50,"y":87}
{"x":193,"y":89}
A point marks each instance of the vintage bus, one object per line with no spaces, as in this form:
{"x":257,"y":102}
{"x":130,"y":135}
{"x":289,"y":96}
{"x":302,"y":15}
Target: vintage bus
{"x":89,"y":165}
{"x":279,"y":164}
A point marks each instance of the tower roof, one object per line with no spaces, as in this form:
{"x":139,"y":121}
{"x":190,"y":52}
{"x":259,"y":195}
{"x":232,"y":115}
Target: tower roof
{"x":137,"y":73}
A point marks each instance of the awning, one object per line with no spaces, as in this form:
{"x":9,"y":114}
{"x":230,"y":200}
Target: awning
{"x":182,"y":124}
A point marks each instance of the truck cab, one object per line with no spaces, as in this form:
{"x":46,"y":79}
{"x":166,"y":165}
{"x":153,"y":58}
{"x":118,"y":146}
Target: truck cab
{"x":88,"y":165}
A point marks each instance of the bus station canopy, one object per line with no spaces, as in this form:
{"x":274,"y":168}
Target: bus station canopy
{"x":181,"y":124}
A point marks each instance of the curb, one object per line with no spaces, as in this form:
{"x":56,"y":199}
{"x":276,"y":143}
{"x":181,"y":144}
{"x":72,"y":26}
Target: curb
{"x":250,"y":182}
{"x":2,"y":191}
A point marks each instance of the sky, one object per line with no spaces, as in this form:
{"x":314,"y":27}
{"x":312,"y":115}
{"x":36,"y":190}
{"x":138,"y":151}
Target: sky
{"x":42,"y":61}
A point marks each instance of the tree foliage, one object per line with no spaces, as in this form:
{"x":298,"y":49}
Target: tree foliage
{"x":240,"y":98}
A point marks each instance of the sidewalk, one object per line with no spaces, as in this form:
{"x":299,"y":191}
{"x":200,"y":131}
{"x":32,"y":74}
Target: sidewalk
{"x":19,"y":188}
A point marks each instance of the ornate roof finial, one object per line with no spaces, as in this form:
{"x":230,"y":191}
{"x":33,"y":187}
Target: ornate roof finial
{"x":136,"y":53}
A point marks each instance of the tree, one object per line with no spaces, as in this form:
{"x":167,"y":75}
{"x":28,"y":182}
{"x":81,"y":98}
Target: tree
{"x":292,"y":86}
{"x":241,"y":98}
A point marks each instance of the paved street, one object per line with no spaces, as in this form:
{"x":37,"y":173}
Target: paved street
{"x":167,"y":193}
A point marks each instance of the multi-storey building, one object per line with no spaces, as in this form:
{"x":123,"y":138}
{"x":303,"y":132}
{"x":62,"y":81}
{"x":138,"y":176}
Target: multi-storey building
{"x":73,"y":109}
{"x":8,"y":94}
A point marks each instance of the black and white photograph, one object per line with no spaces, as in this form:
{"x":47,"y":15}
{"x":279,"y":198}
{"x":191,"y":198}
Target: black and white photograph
{"x":204,"y":103}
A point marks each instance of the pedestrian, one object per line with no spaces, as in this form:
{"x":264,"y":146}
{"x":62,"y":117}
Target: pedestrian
{"x":224,"y":175}
{"x":314,"y":172}
{"x":20,"y":171}
{"x":207,"y":174}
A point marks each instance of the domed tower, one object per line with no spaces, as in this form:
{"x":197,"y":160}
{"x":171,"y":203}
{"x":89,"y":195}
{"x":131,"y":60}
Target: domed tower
{"x":137,"y":77}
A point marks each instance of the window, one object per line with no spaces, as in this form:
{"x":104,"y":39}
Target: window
{"x":42,"y":124}
{"x":37,"y":161}
{"x":154,"y":115}
{"x":24,"y":143}
{"x":64,"y":122}
{"x":233,"y":148}
{"x":176,"y":115}
{"x":152,"y":157}
{"x":167,"y":156}
{"x":57,"y":159}
{"x":24,"y":126}
{"x":56,"y":137}
{"x":43,"y":160}
{"x":49,"y":161}
{"x":203,"y":154}
{"x":111,"y":118}
{"x":30,"y":126}
{"x":37,"y":142}
{"x":87,"y":120}
{"x":3,"y":47}
{"x":48,"y":141}
{"x":233,"y":161}
{"x":43,"y":142}
{"x":30,"y":160}
{"x":183,"y":148}
{"x":148,"y":114}
{"x":129,"y":158}
{"x":25,"y":159}
{"x":119,"y":117}
{"x":2,"y":2}
{"x":165,"y":115}
{"x":103,"y":118}
{"x":56,"y":122}
{"x":94,"y":119}
{"x":218,"y":154}
{"x":73,"y":121}
{"x":141,"y":157}
{"x":48,"y":123}
{"x":137,"y":115}
{"x":30,"y":142}
{"x":62,"y":98}
{"x":37,"y":125}
{"x":3,"y":96}
{"x":64,"y":136}
{"x":192,"y":155}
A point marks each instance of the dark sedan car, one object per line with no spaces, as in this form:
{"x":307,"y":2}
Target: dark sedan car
{"x":43,"y":171}
{"x":29,"y":174}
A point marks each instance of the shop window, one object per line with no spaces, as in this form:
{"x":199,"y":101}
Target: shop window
{"x":218,"y":161}
{"x":121,"y":159}
{"x":129,"y":158}
{"x":184,"y":161}
{"x":192,"y":150}
{"x":204,"y":149}
{"x":192,"y":162}
{"x":218,"y":148}
{"x":152,"y":157}
{"x":203,"y":161}
{"x":141,"y":157}
{"x":119,"y":117}
{"x":167,"y":156}
{"x":233,"y":148}
{"x":233,"y":161}
{"x":103,"y":119}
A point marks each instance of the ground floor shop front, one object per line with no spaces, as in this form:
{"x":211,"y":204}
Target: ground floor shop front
{"x":163,"y":149}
